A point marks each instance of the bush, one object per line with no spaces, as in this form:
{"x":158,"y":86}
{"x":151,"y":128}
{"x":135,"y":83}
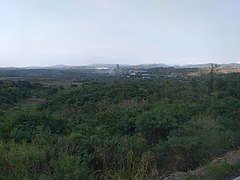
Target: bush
{"x":18,"y":161}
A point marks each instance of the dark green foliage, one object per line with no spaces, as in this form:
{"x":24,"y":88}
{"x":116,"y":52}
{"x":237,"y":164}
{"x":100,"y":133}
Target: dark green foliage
{"x":11,"y":92}
{"x":18,"y":161}
{"x":223,"y":171}
{"x":117,"y":128}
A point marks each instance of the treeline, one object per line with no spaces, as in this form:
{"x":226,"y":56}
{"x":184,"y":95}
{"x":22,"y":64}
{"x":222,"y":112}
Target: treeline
{"x":52,"y":73}
{"x":116,"y":129}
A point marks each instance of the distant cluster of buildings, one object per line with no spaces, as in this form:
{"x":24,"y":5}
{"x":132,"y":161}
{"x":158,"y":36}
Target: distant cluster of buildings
{"x":124,"y":72}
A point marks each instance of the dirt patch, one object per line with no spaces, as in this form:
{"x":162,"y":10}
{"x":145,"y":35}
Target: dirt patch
{"x":231,"y":157}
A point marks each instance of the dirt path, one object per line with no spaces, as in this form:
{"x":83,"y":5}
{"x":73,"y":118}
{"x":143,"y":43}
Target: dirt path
{"x":231,"y":158}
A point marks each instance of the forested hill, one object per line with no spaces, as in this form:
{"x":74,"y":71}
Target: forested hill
{"x":51,"y":73}
{"x":118,"y":128}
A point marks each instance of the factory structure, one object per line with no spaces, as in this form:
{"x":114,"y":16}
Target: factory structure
{"x":134,"y":73}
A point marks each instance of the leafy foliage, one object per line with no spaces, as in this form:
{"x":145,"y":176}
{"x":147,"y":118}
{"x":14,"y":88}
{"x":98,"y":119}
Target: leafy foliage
{"x":117,"y":128}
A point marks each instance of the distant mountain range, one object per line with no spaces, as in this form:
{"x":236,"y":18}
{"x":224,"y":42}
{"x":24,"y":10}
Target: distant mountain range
{"x":112,"y":66}
{"x":209,"y":64}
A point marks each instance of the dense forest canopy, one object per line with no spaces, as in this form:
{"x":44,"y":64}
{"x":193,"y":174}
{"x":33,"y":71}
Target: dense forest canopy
{"x":116,"y":128}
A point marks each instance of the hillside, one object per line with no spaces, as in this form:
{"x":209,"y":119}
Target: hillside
{"x":225,"y":167}
{"x":113,"y":127}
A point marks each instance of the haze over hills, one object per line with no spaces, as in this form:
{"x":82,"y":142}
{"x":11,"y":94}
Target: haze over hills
{"x":121,"y":70}
{"x":112,"y":66}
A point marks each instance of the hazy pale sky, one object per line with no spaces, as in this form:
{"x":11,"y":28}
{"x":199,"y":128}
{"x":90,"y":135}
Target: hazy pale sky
{"x":80,"y":32}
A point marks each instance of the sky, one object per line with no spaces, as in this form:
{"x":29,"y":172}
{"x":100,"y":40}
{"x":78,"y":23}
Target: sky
{"x":82,"y":32}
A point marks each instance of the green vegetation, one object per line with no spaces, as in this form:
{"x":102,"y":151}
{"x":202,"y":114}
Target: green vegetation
{"x":116,"y":128}
{"x":222,"y":171}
